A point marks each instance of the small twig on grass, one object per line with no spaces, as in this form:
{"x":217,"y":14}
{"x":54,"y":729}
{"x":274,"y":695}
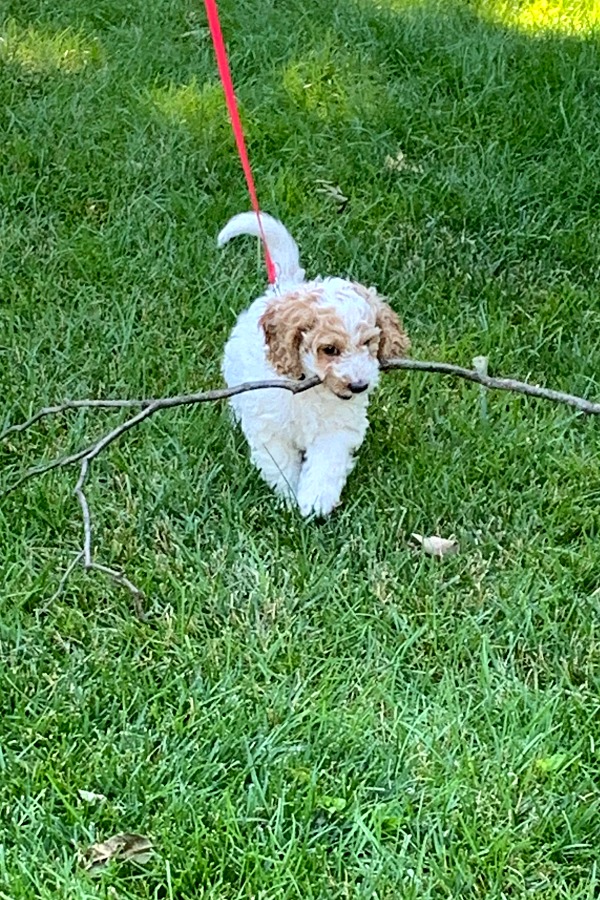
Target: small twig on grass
{"x":149,"y":407}
{"x":88,"y":562}
{"x":65,"y":578}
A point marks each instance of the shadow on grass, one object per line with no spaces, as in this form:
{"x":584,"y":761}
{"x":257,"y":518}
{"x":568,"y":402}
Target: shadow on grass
{"x":463,"y":135}
{"x":427,"y":114}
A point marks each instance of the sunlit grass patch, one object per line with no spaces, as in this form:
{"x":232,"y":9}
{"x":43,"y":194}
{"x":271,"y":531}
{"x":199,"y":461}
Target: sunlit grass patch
{"x":37,"y":49}
{"x":190,"y":104}
{"x":197,"y":108}
{"x":333,"y":84}
{"x":544,"y":16}
{"x":531,"y":16}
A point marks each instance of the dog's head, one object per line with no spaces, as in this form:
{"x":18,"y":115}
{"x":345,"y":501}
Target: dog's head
{"x":335,"y":329}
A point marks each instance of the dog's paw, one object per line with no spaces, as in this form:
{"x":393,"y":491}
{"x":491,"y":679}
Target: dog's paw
{"x":319,"y":503}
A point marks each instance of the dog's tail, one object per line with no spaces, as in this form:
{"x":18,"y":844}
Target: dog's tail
{"x":282,"y":246}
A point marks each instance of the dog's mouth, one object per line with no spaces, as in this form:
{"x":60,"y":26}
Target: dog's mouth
{"x":346,"y":391}
{"x":350,"y":394}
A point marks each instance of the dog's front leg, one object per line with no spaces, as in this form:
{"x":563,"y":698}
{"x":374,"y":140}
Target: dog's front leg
{"x":279,"y":463}
{"x":326,"y":467}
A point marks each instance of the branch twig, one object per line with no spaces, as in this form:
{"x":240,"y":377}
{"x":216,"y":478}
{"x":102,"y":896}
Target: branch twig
{"x":72,"y":404}
{"x":88,"y":562}
{"x":65,"y":577}
{"x":497,"y":384}
{"x":88,"y":454}
{"x":148,"y":408}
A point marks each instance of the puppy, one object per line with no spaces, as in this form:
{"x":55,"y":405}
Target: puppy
{"x":304,"y":444}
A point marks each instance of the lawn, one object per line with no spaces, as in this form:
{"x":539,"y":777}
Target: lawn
{"x":309,"y":710}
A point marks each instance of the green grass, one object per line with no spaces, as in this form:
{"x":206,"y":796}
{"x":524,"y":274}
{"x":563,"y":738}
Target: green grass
{"x":310,"y":710}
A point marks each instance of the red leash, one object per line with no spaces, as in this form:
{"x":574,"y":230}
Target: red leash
{"x":225,"y":73}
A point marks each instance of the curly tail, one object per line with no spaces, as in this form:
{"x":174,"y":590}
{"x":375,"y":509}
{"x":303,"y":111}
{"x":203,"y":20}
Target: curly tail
{"x":282,"y":246}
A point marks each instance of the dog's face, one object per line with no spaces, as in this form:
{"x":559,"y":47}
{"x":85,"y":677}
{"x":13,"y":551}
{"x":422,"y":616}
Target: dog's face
{"x":336,"y":330}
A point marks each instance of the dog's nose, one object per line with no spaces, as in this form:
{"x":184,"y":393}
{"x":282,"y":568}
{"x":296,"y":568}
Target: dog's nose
{"x":357,"y":387}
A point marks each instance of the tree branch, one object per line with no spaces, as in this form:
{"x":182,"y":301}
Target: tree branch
{"x":72,"y":404}
{"x":148,"y":407}
{"x":88,"y":454}
{"x":497,"y":384}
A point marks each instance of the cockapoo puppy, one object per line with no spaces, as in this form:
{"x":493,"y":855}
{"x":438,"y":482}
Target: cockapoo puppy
{"x":304,"y":444}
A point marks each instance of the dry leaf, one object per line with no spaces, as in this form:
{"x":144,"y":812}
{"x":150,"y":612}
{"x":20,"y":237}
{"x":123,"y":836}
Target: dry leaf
{"x":332,"y":192}
{"x":120,"y":846}
{"x":91,"y":796}
{"x":399,"y":163}
{"x":435,"y":545}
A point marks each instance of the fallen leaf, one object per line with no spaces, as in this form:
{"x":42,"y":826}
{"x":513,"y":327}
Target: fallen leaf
{"x":399,"y":163}
{"x":91,"y":796}
{"x":333,"y":192}
{"x":436,"y":546}
{"x":123,"y":846}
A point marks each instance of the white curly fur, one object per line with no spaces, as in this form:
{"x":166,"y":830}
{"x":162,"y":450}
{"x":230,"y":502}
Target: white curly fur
{"x":304,"y":444}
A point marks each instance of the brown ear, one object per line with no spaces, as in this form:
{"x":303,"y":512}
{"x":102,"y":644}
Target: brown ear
{"x":393,"y":341}
{"x":284,"y":322}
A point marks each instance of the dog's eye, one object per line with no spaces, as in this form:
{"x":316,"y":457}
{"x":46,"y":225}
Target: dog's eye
{"x":330,"y":350}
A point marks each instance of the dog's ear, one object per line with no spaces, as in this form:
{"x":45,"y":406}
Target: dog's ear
{"x":284,"y":323}
{"x":393,"y":340}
